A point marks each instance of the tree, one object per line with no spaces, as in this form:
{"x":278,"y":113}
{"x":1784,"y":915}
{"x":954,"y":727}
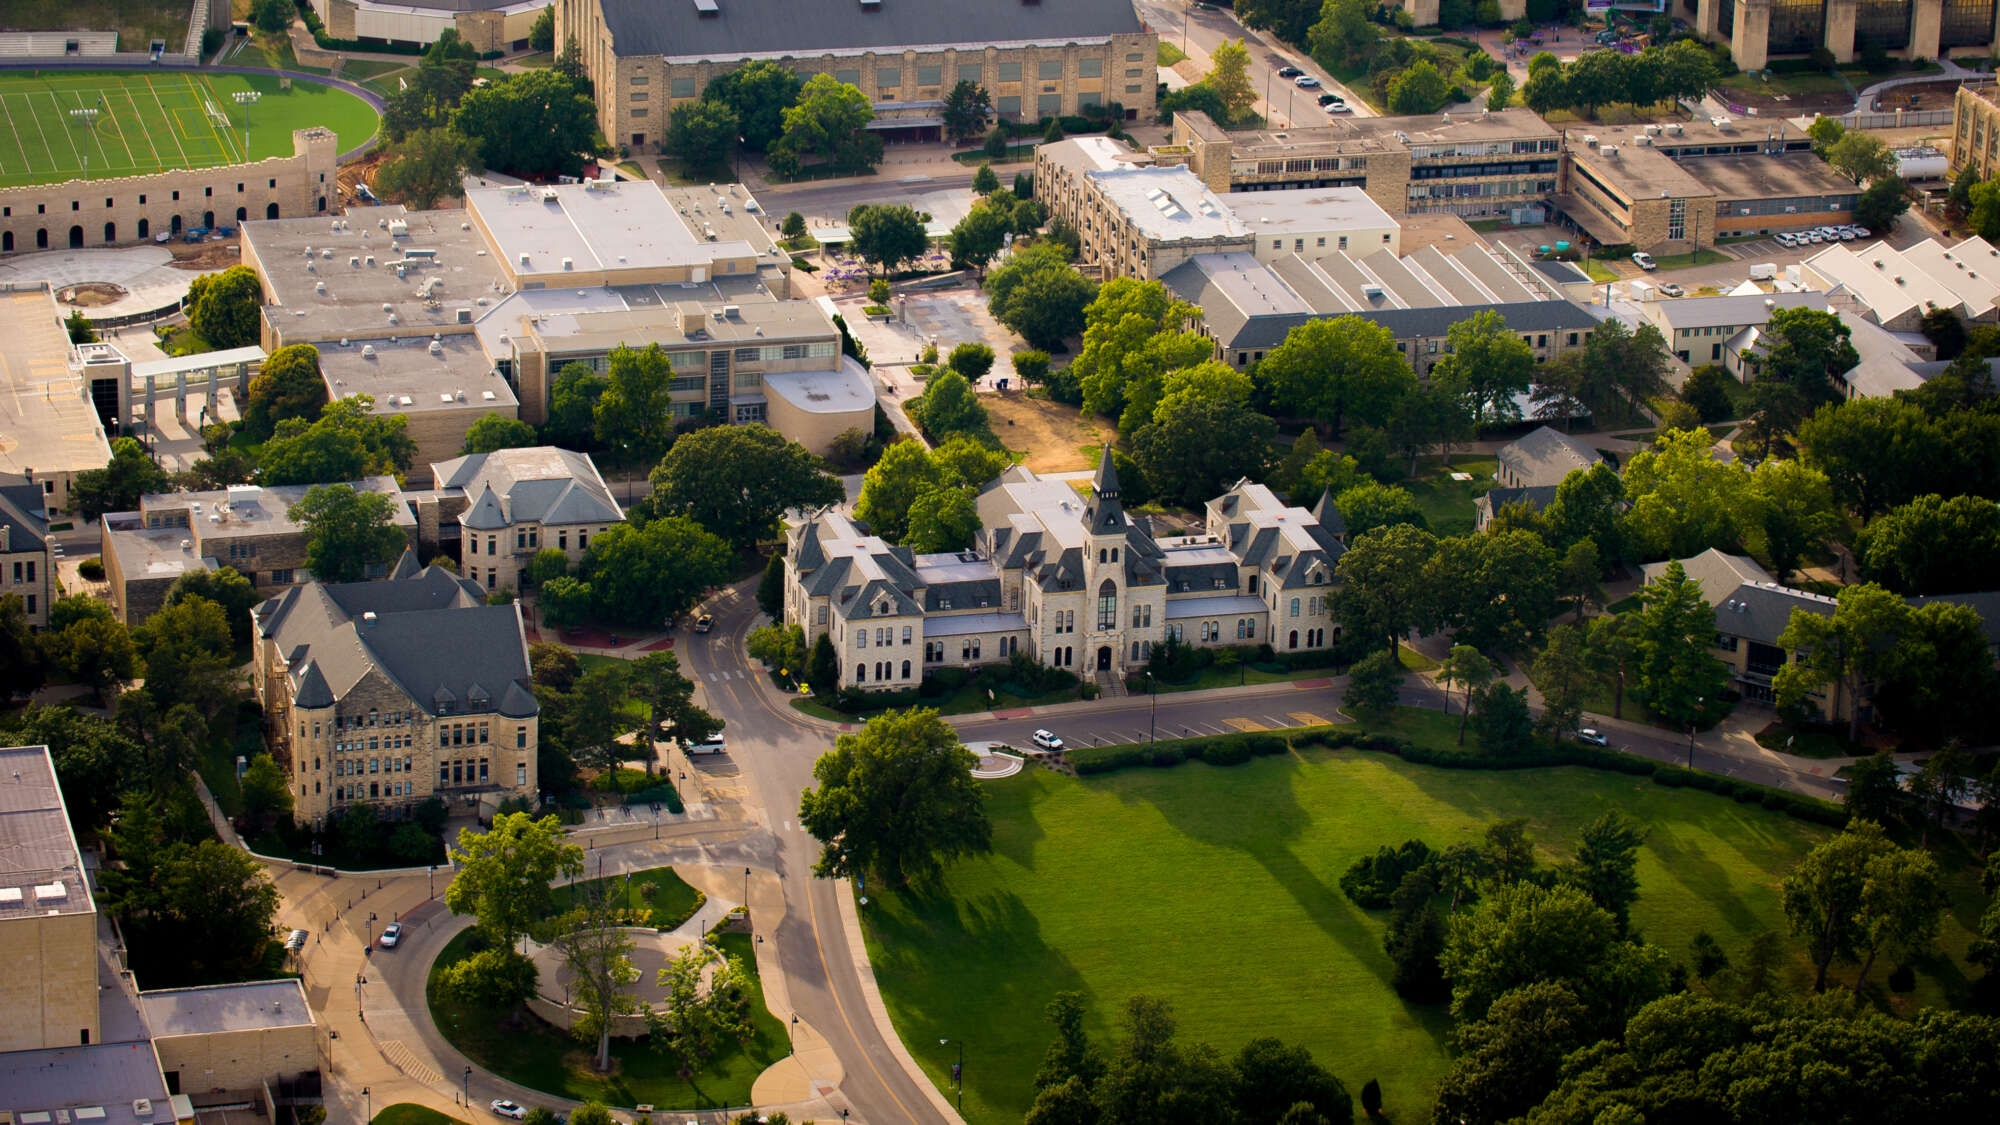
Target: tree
{"x":1882,"y":204}
{"x":1040,"y":295}
{"x":542,"y":33}
{"x":1506,"y":1061}
{"x":224,"y":308}
{"x":651,"y":575}
{"x":497,"y":431}
{"x":272,"y":15}
{"x":214,"y":896}
{"x":1522,"y":934}
{"x":886,"y":234}
{"x":1487,"y":365}
{"x":635,"y":414}
{"x":347,"y":531}
{"x":348,"y":442}
{"x":573,"y":398}
{"x":996,"y":142}
{"x":1790,"y":513}
{"x":1577,"y":575}
{"x":1420,"y":89}
{"x":1861,"y":157}
{"x":1328,"y":370}
{"x":795,"y":225}
{"x":702,"y":134}
{"x":536,"y":124}
{"x":830,"y":120}
{"x":592,"y":1113}
{"x":1501,"y":93}
{"x":1369,"y":505}
{"x":943,"y":519}
{"x":948,"y":407}
{"x":1469,"y":668}
{"x":22,"y":668}
{"x":823,"y":670}
{"x":79,"y":328}
{"x":737,"y":481}
{"x":1374,"y":684}
{"x":1933,"y":546}
{"x":984,"y":182}
{"x":1676,"y":628}
{"x":1271,"y":1078}
{"x":656,"y":682}
{"x":1683,"y":501}
{"x":1152,"y":1080}
{"x":896,"y":799}
{"x":1229,"y":76}
{"x":1707,"y":390}
{"x":1849,"y":648}
{"x":979,"y":236}
{"x":759,"y":92}
{"x":1873,"y":788}
{"x":1563,"y":673}
{"x":1502,"y":720}
{"x":1383,"y":588}
{"x":1131,"y":338}
{"x":505,"y":873}
{"x":905,"y":472}
{"x":288,"y":386}
{"x":117,"y":487}
{"x":1607,"y":866}
{"x":707,"y":1007}
{"x":499,"y":980}
{"x":967,"y":109}
{"x":771,"y":588}
{"x":1495,"y":589}
{"x":1902,"y":904}
{"x":1823,"y":895}
{"x":1194,"y":448}
{"x":589,"y":720}
{"x":1808,"y":349}
{"x":1878,"y":452}
{"x":1070,"y":1055}
{"x":1825,"y":133}
{"x":782,"y":648}
{"x":596,"y":955}
{"x":95,"y":651}
{"x":427,"y":165}
{"x":266,"y":793}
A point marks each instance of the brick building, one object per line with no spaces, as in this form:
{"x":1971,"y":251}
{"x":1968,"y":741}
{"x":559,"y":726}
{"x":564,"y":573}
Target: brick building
{"x":394,"y":692}
{"x":516,"y":503}
{"x":27,"y":563}
{"x":1036,"y":60}
{"x":487,"y":25}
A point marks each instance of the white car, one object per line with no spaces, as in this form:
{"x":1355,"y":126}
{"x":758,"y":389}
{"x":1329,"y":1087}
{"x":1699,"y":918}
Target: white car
{"x":1644,"y":260}
{"x":1306,"y":82}
{"x":1784,"y":239}
{"x":711,"y":746}
{"x":1590,"y":737}
{"x":391,"y":934}
{"x":1047,"y":740}
{"x":505,"y":1108}
{"x":1863,"y":232}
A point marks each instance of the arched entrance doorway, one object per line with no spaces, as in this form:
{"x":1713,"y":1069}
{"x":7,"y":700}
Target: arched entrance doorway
{"x":1104,"y":658}
{"x":208,"y":219}
{"x":270,"y":210}
{"x":242,"y":213}
{"x":6,"y":241}
{"x":76,"y":238}
{"x":145,"y":229}
{"x":111,"y":232}
{"x":42,"y":239}
{"x":176,"y":224}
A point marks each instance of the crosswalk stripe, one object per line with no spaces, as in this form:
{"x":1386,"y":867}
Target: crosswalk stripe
{"x":1308,"y":719}
{"x":1247,"y":724}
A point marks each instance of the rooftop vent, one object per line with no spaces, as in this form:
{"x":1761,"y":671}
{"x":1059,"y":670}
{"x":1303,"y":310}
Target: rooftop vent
{"x":10,"y":896}
{"x":51,"y":892}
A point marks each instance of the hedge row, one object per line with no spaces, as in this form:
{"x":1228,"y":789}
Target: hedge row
{"x":664,"y":794}
{"x":1235,"y":749}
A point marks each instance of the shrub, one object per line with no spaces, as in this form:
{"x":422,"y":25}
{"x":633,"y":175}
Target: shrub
{"x":1228,"y":750}
{"x":92,"y":568}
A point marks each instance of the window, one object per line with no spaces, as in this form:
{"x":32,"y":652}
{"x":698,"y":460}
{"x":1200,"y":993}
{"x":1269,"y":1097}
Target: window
{"x":1048,"y":105}
{"x":641,"y":96}
{"x":1090,"y":68}
{"x":1107,"y":605}
{"x":1008,"y":105}
{"x":888,"y":77}
{"x":851,"y":76}
{"x":906,"y":634}
{"x":930,"y":75}
{"x":1049,"y":70}
{"x":1295,"y":607}
{"x":1010,"y":72}
{"x":683,"y":87}
{"x":861,"y":638}
{"x":968,"y":74}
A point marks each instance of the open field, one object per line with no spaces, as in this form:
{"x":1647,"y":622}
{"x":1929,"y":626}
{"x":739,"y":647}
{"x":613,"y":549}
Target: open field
{"x":1217,"y":889}
{"x":1057,"y":438}
{"x":155,"y":121}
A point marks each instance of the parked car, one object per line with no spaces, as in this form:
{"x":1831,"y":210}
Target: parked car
{"x":1863,"y":232}
{"x":1047,"y":740}
{"x":1671,"y":290}
{"x":1590,"y":737}
{"x":1784,"y":238}
{"x":1328,"y":99}
{"x":1306,"y":82}
{"x":1644,"y":260}
{"x":296,"y":940}
{"x":711,"y":746}
{"x":1340,"y":107}
{"x":505,"y":1108}
{"x":704,"y":623}
{"x":391,"y":934}
{"x":1289,"y":72}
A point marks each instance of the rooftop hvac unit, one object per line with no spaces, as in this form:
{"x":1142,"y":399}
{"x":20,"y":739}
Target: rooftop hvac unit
{"x":569,"y":264}
{"x":354,"y":262}
{"x":371,"y":261}
{"x":465,"y":315}
{"x":436,"y":347}
{"x":398,"y":228}
{"x":524,"y":259}
{"x":489,"y":396}
{"x":550,"y":195}
{"x":367,"y":351}
{"x":1590,"y":139}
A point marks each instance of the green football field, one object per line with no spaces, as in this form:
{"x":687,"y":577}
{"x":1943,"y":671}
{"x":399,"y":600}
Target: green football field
{"x":64,"y":125}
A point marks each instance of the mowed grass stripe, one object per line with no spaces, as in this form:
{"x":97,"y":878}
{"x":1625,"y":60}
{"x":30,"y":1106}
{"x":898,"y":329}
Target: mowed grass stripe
{"x":167,"y":123}
{"x":27,"y":164}
{"x":145,"y":133}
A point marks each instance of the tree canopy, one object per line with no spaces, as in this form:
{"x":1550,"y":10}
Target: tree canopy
{"x":897,"y":800}
{"x":535,"y":124}
{"x":737,"y":480}
{"x":347,"y":531}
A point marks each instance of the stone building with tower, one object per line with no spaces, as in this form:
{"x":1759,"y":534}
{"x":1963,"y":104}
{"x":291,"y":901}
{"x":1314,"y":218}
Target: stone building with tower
{"x":1073,"y":581}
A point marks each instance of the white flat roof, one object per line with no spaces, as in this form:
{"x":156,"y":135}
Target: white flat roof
{"x":840,"y":391}
{"x":1329,"y":208}
{"x":608,"y":226}
{"x":1226,"y":605}
{"x":1168,"y":203}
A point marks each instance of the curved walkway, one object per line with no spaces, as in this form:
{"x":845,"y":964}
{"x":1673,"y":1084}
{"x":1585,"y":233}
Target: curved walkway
{"x":1948,"y":71}
{"x":373,"y":99}
{"x":146,"y":273}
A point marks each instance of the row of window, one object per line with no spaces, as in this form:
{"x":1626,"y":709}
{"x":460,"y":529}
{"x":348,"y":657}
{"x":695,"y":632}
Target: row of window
{"x":530,"y":538}
{"x":883,"y":636}
{"x":109,"y":202}
{"x":29,"y":571}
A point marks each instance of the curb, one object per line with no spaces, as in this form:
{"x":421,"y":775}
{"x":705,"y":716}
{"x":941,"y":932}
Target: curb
{"x":864,"y":972}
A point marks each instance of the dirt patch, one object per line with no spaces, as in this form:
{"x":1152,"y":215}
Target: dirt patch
{"x":1052,"y":434}
{"x":1918,"y":95}
{"x":354,"y":172}
{"x":92,"y":294}
{"x":1788,"y":105}
{"x":207,"y":257}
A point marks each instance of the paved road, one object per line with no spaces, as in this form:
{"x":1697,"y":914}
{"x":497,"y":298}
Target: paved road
{"x":1200,"y":30}
{"x":776,"y":750}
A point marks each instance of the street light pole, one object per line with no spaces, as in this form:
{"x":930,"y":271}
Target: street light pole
{"x":958,"y":1070}
{"x":1690,"y":765}
{"x":368,"y":1101}
{"x":1153,"y":711}
{"x":468,"y":1087}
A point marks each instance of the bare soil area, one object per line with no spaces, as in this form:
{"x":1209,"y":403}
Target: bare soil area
{"x":91,"y":294}
{"x":207,"y":257}
{"x":1054,"y":435}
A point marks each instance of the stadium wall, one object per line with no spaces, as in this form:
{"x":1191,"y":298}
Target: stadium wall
{"x":109,"y":211}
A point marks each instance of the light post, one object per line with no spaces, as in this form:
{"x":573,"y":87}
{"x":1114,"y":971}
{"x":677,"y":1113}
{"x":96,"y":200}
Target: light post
{"x":430,"y":881}
{"x":468,"y":1087}
{"x":1153,"y":708}
{"x":746,"y":907}
{"x":792,"y":1033}
{"x":368,"y":1101}
{"x":1698,"y":703}
{"x":87,"y":116}
{"x":246,"y":99}
{"x":958,"y":1070}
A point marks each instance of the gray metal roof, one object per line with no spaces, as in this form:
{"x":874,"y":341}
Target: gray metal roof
{"x":41,"y":870}
{"x":21,"y":513}
{"x":741,"y":28}
{"x":248,"y":1006}
{"x":116,"y":1079}
{"x":1546,"y":456}
{"x":538,"y":484}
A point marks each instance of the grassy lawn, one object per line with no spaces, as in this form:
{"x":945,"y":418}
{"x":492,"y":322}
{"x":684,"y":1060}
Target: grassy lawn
{"x":1222,"y":893}
{"x":1598,"y":271}
{"x":1170,"y":54}
{"x":1215,"y":676}
{"x":1811,"y":742}
{"x":660,"y":890}
{"x":184,"y":340}
{"x":355,"y":70}
{"x":1414,"y":661}
{"x":410,"y":1113}
{"x":521,"y":1048}
{"x":1808,"y":82}
{"x":1696,"y":258}
{"x":540,"y":59}
{"x":1447,"y":503}
{"x":970,"y":699}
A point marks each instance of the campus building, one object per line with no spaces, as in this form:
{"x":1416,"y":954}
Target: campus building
{"x":1895,"y":288}
{"x":1702,"y":330}
{"x":1759,"y":30}
{"x":81,"y":1043}
{"x":51,"y":425}
{"x":1138,"y":219}
{"x":1070,"y":580}
{"x":245,"y":527}
{"x":1248,"y":307}
{"x":394,"y":692}
{"x":447,"y":316}
{"x":515,"y":503}
{"x":1975,"y":130}
{"x":101,"y":212}
{"x":486,"y":25}
{"x":1034,"y":59}
{"x":27,"y":559}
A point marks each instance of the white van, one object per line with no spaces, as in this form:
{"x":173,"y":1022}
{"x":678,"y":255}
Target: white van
{"x":1763,"y":271}
{"x":712,"y":746}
